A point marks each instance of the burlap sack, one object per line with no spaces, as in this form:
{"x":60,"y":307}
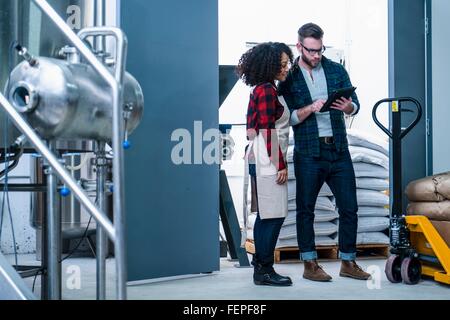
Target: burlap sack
{"x":430,"y":189}
{"x":439,"y":211}
{"x":443,"y":228}
{"x":443,"y":185}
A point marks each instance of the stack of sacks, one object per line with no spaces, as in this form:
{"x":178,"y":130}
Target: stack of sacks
{"x":430,"y":197}
{"x":370,"y":158}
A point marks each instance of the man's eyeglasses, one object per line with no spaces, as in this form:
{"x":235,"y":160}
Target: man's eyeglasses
{"x":314,"y":51}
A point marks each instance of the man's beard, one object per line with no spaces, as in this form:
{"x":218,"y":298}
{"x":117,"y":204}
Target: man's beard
{"x":308,"y":62}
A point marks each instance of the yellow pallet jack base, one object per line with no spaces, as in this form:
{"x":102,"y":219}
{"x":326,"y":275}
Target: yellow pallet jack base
{"x":427,"y":241}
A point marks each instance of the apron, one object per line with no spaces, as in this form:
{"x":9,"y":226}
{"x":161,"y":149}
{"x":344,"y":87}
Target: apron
{"x":272,"y":198}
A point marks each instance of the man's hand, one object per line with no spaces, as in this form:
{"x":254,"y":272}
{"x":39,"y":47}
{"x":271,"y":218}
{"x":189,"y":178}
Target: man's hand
{"x":344,"y":105}
{"x":282,"y":177}
{"x":317,"y":105}
{"x":305,"y":112}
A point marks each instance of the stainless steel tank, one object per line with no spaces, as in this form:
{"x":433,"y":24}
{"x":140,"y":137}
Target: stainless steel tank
{"x":22,"y":21}
{"x":37,"y":33}
{"x":64,"y":100}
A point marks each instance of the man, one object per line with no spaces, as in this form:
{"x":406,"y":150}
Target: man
{"x":321,"y":150}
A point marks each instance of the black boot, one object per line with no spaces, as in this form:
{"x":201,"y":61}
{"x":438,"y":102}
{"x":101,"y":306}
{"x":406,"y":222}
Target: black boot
{"x":264,"y":276}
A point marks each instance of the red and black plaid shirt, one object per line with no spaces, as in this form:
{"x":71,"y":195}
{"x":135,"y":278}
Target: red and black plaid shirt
{"x":264,"y":110}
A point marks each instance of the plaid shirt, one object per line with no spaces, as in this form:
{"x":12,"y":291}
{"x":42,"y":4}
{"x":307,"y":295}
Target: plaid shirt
{"x":264,"y":110}
{"x":296,"y":93}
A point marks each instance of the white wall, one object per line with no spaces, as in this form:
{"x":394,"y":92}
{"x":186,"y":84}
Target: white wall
{"x":440,"y":73}
{"x":20,"y":211}
{"x":358,"y":27}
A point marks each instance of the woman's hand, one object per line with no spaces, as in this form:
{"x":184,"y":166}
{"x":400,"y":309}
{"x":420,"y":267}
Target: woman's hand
{"x":282,"y":177}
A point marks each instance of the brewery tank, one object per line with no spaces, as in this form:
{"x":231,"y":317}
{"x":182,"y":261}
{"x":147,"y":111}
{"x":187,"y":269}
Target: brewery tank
{"x":65,"y":100}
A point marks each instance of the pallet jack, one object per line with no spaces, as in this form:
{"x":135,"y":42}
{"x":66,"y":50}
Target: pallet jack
{"x":417,"y":249}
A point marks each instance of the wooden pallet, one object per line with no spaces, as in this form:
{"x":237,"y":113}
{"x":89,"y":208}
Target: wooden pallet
{"x":372,"y":251}
{"x":292,"y":254}
{"x":325,"y":253}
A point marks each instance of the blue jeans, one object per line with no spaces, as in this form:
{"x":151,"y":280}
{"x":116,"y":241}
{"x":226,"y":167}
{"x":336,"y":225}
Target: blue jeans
{"x":265,"y":234}
{"x":336,"y":169}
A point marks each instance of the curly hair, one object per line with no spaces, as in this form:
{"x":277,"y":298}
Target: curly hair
{"x":262,"y":63}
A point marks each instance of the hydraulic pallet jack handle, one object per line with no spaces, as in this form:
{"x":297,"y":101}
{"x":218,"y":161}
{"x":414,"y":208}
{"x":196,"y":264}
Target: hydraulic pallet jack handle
{"x":397,"y":109}
{"x":399,"y":235}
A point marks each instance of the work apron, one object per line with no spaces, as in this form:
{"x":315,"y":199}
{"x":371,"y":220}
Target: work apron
{"x":272,"y":198}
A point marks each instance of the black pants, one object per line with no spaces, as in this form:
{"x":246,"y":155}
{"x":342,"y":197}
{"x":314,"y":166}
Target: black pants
{"x":265,"y":234}
{"x":335,"y":168}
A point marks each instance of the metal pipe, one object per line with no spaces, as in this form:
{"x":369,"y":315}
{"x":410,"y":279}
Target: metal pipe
{"x":23,"y":187}
{"x":53,"y":234}
{"x":78,"y":43}
{"x":74,"y":206}
{"x":118,"y":165}
{"x":100,"y":20}
{"x":54,"y":163}
{"x":121,"y":46}
{"x":101,"y":243}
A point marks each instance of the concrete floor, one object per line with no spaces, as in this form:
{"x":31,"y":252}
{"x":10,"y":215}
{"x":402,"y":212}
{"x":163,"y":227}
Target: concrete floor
{"x":232,"y":283}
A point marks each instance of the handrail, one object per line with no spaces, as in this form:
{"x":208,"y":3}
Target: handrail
{"x":118,"y":164}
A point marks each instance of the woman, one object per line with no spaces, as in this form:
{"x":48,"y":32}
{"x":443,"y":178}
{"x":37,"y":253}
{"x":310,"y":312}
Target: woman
{"x":268,"y":133}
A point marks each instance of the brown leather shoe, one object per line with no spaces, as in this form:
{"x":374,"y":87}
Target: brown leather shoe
{"x":351,"y":270}
{"x":313,"y":271}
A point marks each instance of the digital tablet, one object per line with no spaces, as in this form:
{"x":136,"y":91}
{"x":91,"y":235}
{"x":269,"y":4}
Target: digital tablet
{"x":335,"y":95}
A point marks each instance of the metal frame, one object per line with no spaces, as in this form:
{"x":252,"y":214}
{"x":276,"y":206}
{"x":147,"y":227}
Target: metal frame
{"x":429,"y":86}
{"x":116,"y":232}
{"x":53,"y":232}
{"x":118,"y":165}
{"x":101,"y":239}
{"x":230,"y":223}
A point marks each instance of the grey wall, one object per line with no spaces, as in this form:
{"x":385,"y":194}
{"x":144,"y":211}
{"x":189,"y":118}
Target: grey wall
{"x":407,"y":78}
{"x":172,"y":211}
{"x":440,"y":67}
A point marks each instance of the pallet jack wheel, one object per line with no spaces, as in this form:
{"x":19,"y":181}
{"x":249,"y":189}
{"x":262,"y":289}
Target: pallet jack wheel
{"x":393,"y":269}
{"x":411,"y":271}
